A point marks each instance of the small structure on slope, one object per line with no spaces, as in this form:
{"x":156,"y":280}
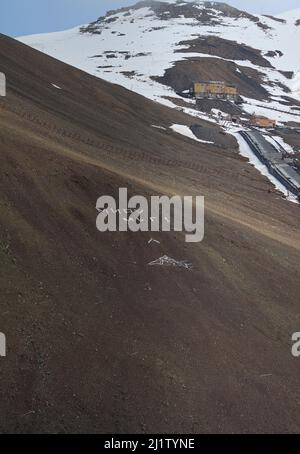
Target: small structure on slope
{"x":262,"y":122}
{"x":214,"y":90}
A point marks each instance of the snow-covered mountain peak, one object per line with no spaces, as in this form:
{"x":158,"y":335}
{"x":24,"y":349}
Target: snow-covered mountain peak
{"x":201,"y":12}
{"x":158,"y":48}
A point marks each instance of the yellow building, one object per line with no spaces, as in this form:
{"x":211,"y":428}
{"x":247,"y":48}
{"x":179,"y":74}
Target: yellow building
{"x":214,"y":90}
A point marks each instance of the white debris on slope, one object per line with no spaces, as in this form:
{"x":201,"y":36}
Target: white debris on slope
{"x":153,"y":241}
{"x":168,"y":261}
{"x":186,"y":131}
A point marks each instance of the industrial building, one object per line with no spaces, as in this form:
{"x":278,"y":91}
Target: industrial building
{"x":214,"y":90}
{"x":262,"y":122}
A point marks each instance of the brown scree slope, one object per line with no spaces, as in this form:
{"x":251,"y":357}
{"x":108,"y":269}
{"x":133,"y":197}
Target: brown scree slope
{"x":97,"y":340}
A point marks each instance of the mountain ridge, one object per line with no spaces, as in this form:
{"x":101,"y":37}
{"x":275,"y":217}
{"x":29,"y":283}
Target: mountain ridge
{"x":136,"y":45}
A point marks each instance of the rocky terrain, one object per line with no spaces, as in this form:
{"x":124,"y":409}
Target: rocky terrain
{"x":99,"y":341}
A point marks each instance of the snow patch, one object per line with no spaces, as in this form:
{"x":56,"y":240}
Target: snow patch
{"x":158,"y":127}
{"x":279,"y":144}
{"x":186,"y":131}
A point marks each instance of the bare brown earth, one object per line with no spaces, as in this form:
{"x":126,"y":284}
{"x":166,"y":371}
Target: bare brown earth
{"x":100,"y":342}
{"x":216,"y":46}
{"x":183,"y":73}
{"x":206,"y":105}
{"x":277,"y":19}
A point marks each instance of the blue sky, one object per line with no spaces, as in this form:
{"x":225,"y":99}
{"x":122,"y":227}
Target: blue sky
{"x":24,"y":17}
